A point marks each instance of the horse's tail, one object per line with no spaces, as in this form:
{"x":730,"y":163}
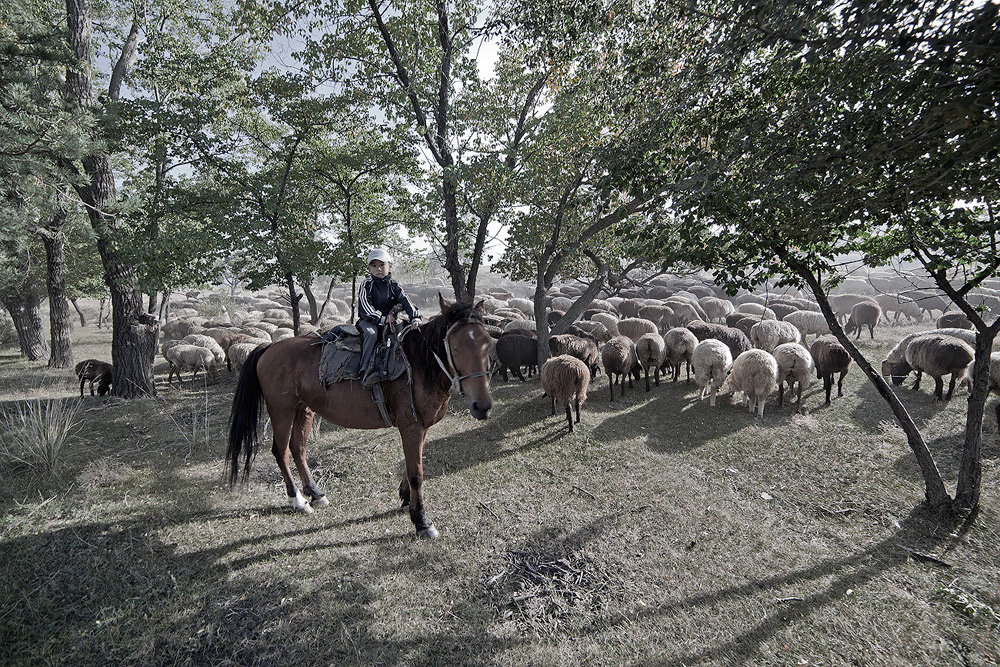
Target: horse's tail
{"x":243,"y":418}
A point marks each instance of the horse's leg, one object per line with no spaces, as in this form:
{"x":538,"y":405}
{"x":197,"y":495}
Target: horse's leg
{"x":281,"y":425}
{"x":413,"y":454}
{"x":300,"y":432}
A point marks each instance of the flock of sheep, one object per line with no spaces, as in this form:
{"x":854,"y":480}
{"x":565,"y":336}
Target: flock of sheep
{"x":755,"y":344}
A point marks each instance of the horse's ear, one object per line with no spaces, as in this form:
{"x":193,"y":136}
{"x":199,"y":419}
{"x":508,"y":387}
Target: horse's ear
{"x":481,"y":307}
{"x":442,"y":303}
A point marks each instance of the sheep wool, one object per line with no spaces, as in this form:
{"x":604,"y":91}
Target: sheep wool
{"x":680,"y":344}
{"x":755,"y":373}
{"x":712,"y":361}
{"x":938,"y":356}
{"x":649,"y":351}
{"x":566,"y":379}
{"x":618,"y":357}
{"x":795,"y":366}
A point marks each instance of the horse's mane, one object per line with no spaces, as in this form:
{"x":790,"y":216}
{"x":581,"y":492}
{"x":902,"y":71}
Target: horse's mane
{"x":424,"y":342}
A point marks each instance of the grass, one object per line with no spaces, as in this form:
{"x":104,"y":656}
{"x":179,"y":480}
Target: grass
{"x":661,"y":532}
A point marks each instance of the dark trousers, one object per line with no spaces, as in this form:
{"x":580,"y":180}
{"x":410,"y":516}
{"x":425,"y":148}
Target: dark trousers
{"x":369,"y":337}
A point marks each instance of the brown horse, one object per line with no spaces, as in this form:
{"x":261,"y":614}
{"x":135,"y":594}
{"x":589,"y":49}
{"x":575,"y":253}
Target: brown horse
{"x":449,"y":352}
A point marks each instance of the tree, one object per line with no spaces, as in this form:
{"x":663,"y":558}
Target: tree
{"x":848,"y":130}
{"x":134,"y":332}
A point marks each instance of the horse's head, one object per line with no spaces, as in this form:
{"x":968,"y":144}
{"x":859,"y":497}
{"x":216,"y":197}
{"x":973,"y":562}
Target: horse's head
{"x":467,"y":345}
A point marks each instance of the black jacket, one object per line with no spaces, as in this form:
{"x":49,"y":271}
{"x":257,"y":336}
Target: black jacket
{"x":377,"y":296}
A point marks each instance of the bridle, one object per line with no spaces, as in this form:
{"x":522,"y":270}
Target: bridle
{"x":456,"y":379}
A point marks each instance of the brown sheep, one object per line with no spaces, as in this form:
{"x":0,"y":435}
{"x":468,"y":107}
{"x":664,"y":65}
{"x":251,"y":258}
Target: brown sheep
{"x":863,"y":314}
{"x":95,"y":371}
{"x":830,"y":357}
{"x":937,"y":356}
{"x":583,"y":348}
{"x":566,"y":379}
{"x":618,"y":358}
{"x":954,"y":320}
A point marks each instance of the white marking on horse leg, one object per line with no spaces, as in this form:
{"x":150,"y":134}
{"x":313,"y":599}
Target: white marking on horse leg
{"x":320,"y":502}
{"x":299,"y":503}
{"x":430,"y":532}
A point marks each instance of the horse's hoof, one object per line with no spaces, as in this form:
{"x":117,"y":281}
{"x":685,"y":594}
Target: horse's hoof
{"x":299,"y":504}
{"x":430,"y":532}
{"x":322,"y":501}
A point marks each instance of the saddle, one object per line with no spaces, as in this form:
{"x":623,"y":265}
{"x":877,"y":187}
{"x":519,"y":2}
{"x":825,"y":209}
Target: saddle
{"x":340,"y":359}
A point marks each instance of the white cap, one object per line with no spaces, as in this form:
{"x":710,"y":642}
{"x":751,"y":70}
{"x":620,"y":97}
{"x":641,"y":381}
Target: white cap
{"x":381,"y":254}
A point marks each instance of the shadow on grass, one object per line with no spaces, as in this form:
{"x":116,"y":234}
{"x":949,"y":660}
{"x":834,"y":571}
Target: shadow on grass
{"x":847,"y":574}
{"x":123,"y":592}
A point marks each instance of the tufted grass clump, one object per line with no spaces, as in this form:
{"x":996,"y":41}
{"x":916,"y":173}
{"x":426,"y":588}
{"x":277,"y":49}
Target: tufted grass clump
{"x":34,"y":433}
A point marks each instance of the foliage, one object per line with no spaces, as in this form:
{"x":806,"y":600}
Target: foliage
{"x":8,"y":334}
{"x":34,"y":434}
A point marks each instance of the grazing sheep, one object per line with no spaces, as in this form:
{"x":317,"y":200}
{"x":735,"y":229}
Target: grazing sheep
{"x":939,"y":355}
{"x":716,"y":309}
{"x":206,"y":342}
{"x":554,"y":316}
{"x":609,"y":320}
{"x":994,"y":385}
{"x":237,"y":353}
{"x":515,"y":350}
{"x":954,"y":321}
{"x":281,"y":333}
{"x":769,"y":334}
{"x":520,"y":325}
{"x":93,"y":370}
{"x":618,"y":358}
{"x":583,"y":348}
{"x":795,"y":366}
{"x":782,"y":309}
{"x":185,"y":356}
{"x":634,"y":327}
{"x":843,"y":303}
{"x":863,"y":314}
{"x":661,"y":316}
{"x":712,"y":361}
{"x":679,"y":300}
{"x":561,"y":303}
{"x":830,"y":357}
{"x":649,"y":351}
{"x":735,"y":339}
{"x":597,"y":330}
{"x":808,"y":322}
{"x":757,"y":309}
{"x":755,"y":373}
{"x":680,"y":343}
{"x":631,"y":307}
{"x":929,"y":301}
{"x":526,"y":306}
{"x":566,"y":379}
{"x":899,"y":305}
{"x":894,"y":365}
{"x":684,"y":311}
{"x":266,"y":327}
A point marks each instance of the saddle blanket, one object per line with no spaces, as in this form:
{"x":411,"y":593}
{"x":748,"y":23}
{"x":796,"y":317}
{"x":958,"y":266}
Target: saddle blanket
{"x":340,"y":359}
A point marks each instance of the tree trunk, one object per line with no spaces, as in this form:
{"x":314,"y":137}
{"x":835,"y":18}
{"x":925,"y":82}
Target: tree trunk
{"x":934,"y":490}
{"x":100,"y":313}
{"x":541,"y":319}
{"x":24,"y":309}
{"x":55,"y":280}
{"x":970,"y":473}
{"x":452,"y":261}
{"x":294,"y":299}
{"x":76,"y":306}
{"x":313,"y":307}
{"x":152,"y":303}
{"x":134,"y":332}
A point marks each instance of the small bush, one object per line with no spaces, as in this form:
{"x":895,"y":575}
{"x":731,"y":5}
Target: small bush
{"x":8,"y":334}
{"x":217,"y":308}
{"x":33,"y":434}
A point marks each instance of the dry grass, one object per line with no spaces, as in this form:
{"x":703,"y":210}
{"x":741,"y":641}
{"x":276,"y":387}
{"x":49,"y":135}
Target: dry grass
{"x":661,"y":532}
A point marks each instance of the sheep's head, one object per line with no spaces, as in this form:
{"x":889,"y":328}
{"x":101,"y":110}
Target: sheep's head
{"x":899,"y":371}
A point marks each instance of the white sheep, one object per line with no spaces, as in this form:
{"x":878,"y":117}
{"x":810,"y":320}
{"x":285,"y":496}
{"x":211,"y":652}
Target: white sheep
{"x":795,"y":366}
{"x":526,"y":306}
{"x":649,"y":352}
{"x":281,"y":333}
{"x":238,"y":352}
{"x":634,"y":327}
{"x":769,"y":334}
{"x":808,"y":322}
{"x":757,"y":309}
{"x":181,"y":357}
{"x":609,"y":320}
{"x":716,"y":309}
{"x":207,"y":342}
{"x":755,"y":373}
{"x":680,"y":343}
{"x":712,"y":361}
{"x":994,"y":386}
{"x":566,"y":379}
{"x":520,"y":325}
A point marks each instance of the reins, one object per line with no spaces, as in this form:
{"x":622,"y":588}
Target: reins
{"x":453,"y":375}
